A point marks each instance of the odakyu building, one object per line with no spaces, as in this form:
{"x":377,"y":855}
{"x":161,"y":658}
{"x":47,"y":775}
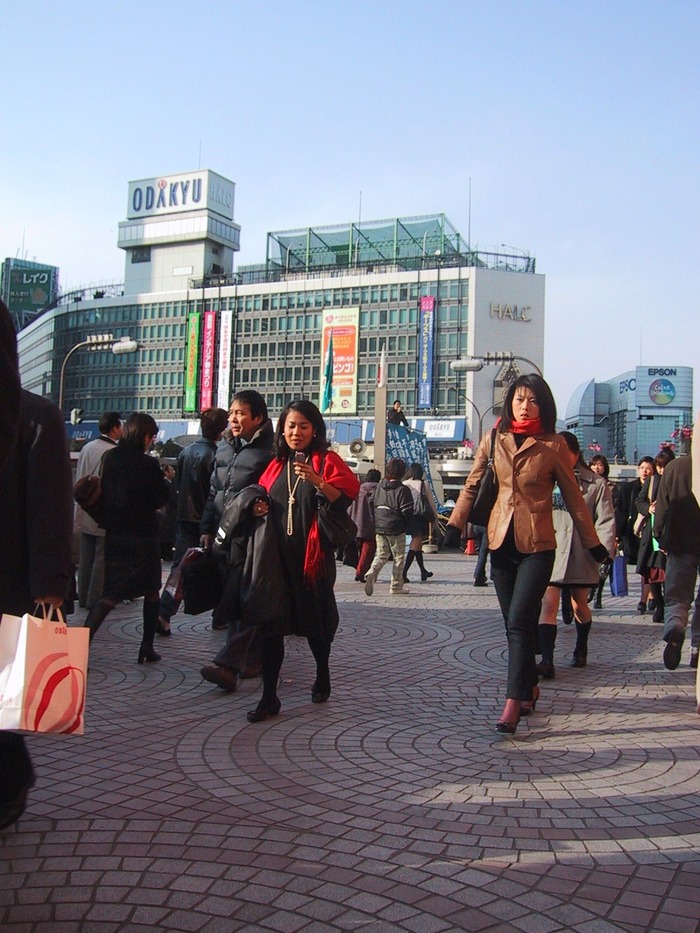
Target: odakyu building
{"x":632,"y":415}
{"x":206,"y":329}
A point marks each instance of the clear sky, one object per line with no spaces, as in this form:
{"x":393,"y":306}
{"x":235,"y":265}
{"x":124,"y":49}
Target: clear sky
{"x":577,"y":123}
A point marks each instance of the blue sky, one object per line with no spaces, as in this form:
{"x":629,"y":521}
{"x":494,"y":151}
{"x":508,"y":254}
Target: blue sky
{"x":577,"y":124}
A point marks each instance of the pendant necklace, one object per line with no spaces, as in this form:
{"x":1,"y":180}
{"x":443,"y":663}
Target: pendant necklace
{"x":291,"y":500}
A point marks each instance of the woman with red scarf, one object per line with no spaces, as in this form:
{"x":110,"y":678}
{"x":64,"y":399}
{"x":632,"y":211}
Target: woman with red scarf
{"x":304,"y":476}
{"x":529,"y":458}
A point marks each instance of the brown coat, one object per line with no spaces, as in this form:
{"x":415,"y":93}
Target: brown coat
{"x":526,"y":478}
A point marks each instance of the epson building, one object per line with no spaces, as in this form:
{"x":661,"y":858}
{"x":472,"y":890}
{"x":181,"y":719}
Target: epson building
{"x":633,"y":414}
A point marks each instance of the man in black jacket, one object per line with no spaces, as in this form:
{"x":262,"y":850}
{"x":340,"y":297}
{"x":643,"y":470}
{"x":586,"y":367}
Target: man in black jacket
{"x":393,"y":507}
{"x":241,"y":457}
{"x":192,"y":481}
{"x":677,"y":529}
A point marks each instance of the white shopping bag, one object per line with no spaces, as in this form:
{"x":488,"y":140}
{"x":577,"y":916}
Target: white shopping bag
{"x":43,"y":668}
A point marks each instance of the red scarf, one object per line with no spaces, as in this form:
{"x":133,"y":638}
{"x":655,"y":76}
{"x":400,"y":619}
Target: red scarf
{"x":336,"y":473}
{"x":529,"y":426}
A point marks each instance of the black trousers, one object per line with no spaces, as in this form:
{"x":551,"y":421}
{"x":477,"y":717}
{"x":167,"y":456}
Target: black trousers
{"x":520,"y":581}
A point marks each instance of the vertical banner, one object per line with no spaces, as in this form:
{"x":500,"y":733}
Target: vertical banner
{"x":223,"y":389}
{"x":191,"y":355}
{"x":343,"y":325}
{"x":425,"y":357}
{"x":206,"y":383}
{"x":411,"y":447}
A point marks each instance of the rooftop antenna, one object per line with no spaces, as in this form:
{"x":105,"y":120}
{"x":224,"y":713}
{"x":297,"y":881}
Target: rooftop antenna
{"x":469,"y":217}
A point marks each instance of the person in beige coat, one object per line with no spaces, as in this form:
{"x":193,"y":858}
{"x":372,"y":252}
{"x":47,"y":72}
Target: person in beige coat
{"x":529,"y":458}
{"x":574,"y":566}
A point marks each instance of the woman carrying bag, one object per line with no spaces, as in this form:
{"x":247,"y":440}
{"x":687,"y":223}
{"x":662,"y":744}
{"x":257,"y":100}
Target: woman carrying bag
{"x":529,"y":458}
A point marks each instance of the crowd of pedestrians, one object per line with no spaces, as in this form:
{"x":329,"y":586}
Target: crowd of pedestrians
{"x":271,"y":506}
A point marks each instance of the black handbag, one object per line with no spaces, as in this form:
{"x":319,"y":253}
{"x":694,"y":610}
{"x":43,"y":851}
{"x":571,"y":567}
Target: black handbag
{"x":487,"y":491}
{"x":335,"y":526}
{"x":202,"y":585}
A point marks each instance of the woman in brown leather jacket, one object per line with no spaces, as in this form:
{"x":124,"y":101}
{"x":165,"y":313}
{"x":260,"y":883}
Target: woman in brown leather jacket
{"x":529,"y":458}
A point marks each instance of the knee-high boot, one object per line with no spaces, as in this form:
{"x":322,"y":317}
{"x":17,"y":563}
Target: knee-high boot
{"x":150,"y":617}
{"x":321,"y":651}
{"x":547,"y":638}
{"x":97,"y":615}
{"x":410,"y":557}
{"x":424,"y":574}
{"x":581,"y":648}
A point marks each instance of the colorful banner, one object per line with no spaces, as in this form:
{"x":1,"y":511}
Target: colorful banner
{"x":344,"y":325}
{"x":425,"y":352}
{"x":206,"y":390}
{"x":191,"y":356}
{"x":223,"y":390}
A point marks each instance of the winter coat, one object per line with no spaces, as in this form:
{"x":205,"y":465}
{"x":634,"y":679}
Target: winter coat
{"x":677,"y":515}
{"x":90,"y":463}
{"x":418,"y":524}
{"x":36,"y":504}
{"x":573,"y":563}
{"x":393,"y":507}
{"x":362,"y":513}
{"x":625,"y":517}
{"x":236,"y":465}
{"x":645,"y":497}
{"x":526,"y":476}
{"x":133,"y":488}
{"x":193,"y":479}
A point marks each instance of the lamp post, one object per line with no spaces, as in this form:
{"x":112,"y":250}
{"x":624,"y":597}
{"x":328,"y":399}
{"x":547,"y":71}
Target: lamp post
{"x":96,"y":342}
{"x":490,"y":358}
{"x":464,"y":398}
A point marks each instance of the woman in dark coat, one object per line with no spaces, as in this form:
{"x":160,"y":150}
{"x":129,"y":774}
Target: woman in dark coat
{"x":133,"y":489}
{"x":362,"y":513}
{"x":649,"y":557}
{"x":304,"y":477}
{"x":626,"y":518}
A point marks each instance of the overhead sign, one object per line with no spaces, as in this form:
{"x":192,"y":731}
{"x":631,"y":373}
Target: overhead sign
{"x":177,"y":194}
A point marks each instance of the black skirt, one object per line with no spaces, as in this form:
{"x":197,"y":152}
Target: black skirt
{"x":132,"y":566}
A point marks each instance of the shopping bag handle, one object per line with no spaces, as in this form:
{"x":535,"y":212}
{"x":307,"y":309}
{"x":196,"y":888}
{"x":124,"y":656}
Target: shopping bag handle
{"x":47,"y":612}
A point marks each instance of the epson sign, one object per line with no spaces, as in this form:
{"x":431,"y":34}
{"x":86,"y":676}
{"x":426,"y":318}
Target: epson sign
{"x":661,"y":371}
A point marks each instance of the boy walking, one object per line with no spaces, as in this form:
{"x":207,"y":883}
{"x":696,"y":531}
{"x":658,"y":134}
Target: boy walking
{"x":393,"y":507}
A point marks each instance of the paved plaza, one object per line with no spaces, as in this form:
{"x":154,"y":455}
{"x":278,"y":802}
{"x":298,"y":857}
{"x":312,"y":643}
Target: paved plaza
{"x":393,"y":807}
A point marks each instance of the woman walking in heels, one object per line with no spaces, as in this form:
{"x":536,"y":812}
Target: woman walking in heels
{"x":133,"y":489}
{"x":529,"y":458}
{"x":423,"y":514}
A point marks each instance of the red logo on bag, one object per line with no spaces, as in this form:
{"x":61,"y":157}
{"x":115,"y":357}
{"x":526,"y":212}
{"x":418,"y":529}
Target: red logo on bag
{"x":56,"y":690}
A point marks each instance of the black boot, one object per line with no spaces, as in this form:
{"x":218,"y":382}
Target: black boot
{"x":321,"y":689}
{"x":598,"y":604}
{"x":150,"y":620}
{"x":410,"y":557}
{"x":581,"y":649}
{"x":424,"y":574}
{"x":97,"y":615}
{"x":272,"y":658}
{"x":659,"y":603}
{"x":547,"y":638}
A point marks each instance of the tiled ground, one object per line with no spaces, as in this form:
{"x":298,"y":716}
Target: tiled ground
{"x":393,"y":807}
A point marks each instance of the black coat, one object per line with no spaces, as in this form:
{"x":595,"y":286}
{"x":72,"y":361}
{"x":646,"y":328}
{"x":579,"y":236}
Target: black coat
{"x":36,"y":505}
{"x":194,"y":466}
{"x":677,"y":516}
{"x":236,"y":465}
{"x":647,"y":494}
{"x":625,"y":517}
{"x":393,"y":507}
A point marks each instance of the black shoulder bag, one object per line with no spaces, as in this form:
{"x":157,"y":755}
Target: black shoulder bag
{"x":487,"y":491}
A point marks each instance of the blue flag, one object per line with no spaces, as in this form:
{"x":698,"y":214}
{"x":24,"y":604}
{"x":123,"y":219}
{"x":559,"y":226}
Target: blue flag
{"x":327,"y":401}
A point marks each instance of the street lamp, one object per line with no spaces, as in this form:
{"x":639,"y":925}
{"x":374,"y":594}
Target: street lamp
{"x":476,"y":363}
{"x":125,"y":344}
{"x":465,"y":399}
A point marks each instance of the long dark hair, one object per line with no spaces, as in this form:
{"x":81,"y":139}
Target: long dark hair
{"x":544,"y":397}
{"x":319,"y":442}
{"x":415,"y":471}
{"x":572,"y":443}
{"x":137,"y":427}
{"x":599,"y":458}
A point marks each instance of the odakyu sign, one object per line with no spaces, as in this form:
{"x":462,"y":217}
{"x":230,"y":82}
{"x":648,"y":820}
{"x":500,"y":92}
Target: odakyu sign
{"x":177,"y":194}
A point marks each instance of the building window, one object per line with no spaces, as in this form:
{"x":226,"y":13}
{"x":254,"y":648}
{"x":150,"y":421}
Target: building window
{"x":141,"y":254}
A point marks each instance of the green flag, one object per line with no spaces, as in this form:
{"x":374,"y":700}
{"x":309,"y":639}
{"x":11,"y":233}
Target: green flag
{"x":327,"y":401}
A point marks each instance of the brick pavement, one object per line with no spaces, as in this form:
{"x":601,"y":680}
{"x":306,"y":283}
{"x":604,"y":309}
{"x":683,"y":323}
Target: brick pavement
{"x":393,"y":807}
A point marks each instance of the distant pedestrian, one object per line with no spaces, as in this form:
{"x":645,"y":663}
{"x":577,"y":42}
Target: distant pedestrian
{"x":134,"y":489}
{"x":91,"y":568}
{"x":677,"y":529}
{"x":393,"y":509}
{"x":395,"y":414}
{"x":424,"y":514}
{"x":627,"y":520}
{"x":362,"y":513}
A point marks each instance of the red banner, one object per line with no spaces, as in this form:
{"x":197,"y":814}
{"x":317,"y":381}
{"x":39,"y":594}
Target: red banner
{"x":206,"y":395}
